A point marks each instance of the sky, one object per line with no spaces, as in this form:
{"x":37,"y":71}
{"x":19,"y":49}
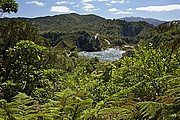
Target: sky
{"x":110,"y":9}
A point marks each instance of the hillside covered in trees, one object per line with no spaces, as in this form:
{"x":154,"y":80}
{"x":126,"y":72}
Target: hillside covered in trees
{"x":91,"y":32}
{"x":152,"y":21}
{"x":40,"y":81}
{"x":86,"y":32}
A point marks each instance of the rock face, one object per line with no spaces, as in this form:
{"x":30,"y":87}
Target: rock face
{"x":87,"y":43}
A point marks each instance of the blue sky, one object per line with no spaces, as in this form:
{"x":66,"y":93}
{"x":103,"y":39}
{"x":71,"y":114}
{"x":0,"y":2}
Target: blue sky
{"x":159,"y":9}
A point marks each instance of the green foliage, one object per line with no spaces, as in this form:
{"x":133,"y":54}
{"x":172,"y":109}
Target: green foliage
{"x":69,"y":31}
{"x":21,"y":107}
{"x":143,"y":87}
{"x":15,"y":31}
{"x":113,"y":108}
{"x":8,"y":6}
{"x":167,"y":33}
{"x":81,"y":40}
{"x":149,"y":73}
{"x":151,"y":110}
{"x":40,"y":83}
{"x":21,"y":63}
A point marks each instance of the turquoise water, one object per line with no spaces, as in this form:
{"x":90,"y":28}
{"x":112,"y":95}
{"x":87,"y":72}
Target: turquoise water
{"x":111,"y":54}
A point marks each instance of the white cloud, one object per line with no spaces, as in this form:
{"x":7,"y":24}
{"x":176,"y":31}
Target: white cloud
{"x":85,"y":1}
{"x":61,"y":2}
{"x":116,"y":11}
{"x":62,"y":9}
{"x":36,"y":3}
{"x":130,"y":9}
{"x":71,"y":3}
{"x":117,"y":1}
{"x":76,"y":6}
{"x":160,"y":8}
{"x":123,"y":12}
{"x":88,"y":7}
{"x":113,"y":10}
{"x":102,"y":0}
{"x":5,"y":15}
{"x":108,"y":4}
{"x":64,"y":2}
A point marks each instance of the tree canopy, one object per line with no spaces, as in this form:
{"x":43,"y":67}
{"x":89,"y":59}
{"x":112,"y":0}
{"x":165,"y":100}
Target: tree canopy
{"x":8,"y":6}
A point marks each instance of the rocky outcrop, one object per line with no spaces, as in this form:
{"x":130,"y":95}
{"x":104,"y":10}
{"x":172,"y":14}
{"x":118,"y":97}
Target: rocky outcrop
{"x":87,"y":43}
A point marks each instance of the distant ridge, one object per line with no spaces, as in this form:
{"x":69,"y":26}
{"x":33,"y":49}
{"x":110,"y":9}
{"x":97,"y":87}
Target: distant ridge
{"x":153,"y":21}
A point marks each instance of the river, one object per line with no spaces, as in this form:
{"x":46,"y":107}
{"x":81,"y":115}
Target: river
{"x":110,"y":54}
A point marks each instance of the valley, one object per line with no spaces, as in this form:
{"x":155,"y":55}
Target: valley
{"x":87,"y":67}
{"x":68,"y":29}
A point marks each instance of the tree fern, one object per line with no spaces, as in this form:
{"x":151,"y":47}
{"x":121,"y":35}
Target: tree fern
{"x":21,"y":107}
{"x":113,"y":107}
{"x":151,"y":110}
{"x":68,"y":104}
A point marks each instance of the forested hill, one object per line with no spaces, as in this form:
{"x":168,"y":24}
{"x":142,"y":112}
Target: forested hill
{"x":155,"y":22}
{"x":74,"y":30}
{"x":168,"y":32}
{"x":73,"y":22}
{"x":91,"y":32}
{"x":65,"y":19}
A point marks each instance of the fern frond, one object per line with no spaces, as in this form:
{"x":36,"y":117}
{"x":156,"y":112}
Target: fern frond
{"x":120,"y":113}
{"x":19,"y":108}
{"x":151,"y":110}
{"x":175,"y":89}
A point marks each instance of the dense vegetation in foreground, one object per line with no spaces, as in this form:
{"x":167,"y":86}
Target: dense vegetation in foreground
{"x":40,"y":82}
